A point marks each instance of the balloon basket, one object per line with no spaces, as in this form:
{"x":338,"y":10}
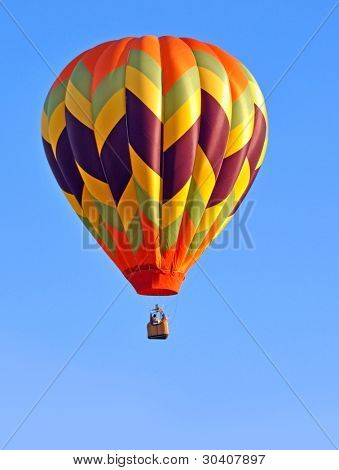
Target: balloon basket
{"x":158,"y":331}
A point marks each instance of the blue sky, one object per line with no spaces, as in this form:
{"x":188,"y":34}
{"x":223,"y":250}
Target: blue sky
{"x":213,"y":386}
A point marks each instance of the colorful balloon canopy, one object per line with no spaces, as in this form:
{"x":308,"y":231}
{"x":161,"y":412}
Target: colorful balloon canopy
{"x":155,"y":143}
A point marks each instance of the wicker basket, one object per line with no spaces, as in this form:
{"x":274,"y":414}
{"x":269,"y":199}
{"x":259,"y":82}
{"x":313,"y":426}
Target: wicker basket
{"x":159,"y":331}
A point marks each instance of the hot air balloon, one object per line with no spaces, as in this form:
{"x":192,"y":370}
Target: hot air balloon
{"x":155,"y":142}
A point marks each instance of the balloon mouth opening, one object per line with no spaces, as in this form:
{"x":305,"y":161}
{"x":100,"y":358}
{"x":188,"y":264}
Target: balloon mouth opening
{"x":152,"y":291}
{"x":155,"y":281}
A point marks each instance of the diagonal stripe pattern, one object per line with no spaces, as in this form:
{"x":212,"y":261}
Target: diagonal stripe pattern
{"x":155,"y":143}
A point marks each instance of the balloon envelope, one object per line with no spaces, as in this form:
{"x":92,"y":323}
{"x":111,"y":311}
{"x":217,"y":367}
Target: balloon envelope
{"x":155,"y":142}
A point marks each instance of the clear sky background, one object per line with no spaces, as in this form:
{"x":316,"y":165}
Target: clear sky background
{"x":210,"y":385}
